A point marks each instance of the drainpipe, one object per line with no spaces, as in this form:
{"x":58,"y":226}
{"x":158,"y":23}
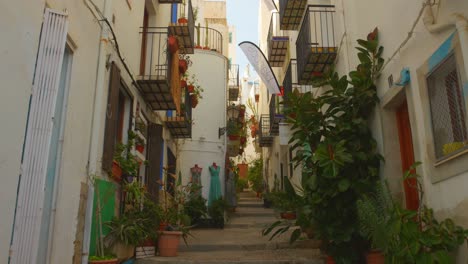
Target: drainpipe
{"x":97,"y":120}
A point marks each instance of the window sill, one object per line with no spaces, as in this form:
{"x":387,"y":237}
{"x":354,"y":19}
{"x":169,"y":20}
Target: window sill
{"x":452,"y":156}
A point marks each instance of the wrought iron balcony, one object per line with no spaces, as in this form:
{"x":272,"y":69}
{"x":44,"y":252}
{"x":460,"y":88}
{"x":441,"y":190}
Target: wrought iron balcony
{"x":208,"y":39}
{"x":291,"y":12}
{"x":179,"y":122}
{"x":290,"y":82}
{"x":233,"y":82}
{"x":277,"y":42}
{"x":264,"y":136}
{"x":316,"y":47}
{"x":156,"y":71}
{"x":183,"y":26}
{"x":276,"y":114}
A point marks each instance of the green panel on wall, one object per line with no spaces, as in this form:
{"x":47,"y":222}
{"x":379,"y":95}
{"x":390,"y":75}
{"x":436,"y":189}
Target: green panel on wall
{"x":107,"y":196}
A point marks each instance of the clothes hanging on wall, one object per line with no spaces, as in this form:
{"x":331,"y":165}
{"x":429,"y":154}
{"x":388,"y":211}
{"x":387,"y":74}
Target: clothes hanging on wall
{"x":215,"y":185}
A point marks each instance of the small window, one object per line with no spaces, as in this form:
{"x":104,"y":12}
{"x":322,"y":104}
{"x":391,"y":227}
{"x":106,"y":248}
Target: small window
{"x":230,"y":37}
{"x":448,"y":111}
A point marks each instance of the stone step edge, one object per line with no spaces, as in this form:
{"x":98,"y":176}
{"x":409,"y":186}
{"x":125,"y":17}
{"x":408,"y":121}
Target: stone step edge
{"x":303,"y":244}
{"x":318,"y":260}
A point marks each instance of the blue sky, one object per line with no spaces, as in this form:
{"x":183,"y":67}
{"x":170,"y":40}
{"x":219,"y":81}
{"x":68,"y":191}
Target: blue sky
{"x":244,"y":15}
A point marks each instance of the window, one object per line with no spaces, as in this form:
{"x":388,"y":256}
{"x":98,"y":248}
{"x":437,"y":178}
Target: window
{"x":447,"y":105}
{"x":230,"y":37}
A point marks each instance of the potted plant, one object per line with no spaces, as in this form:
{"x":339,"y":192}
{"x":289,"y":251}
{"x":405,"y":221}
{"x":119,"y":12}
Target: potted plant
{"x":182,"y":19}
{"x":195,"y":206}
{"x":233,"y":130}
{"x":173,"y":44}
{"x":127,"y":161}
{"x":139,"y":144}
{"x":255,"y":176}
{"x":216,"y":212}
{"x":184,"y":63}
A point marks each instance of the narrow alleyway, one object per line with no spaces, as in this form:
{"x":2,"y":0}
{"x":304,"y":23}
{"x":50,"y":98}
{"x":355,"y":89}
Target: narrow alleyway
{"x":241,"y":241}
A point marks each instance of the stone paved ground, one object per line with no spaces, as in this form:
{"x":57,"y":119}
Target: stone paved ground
{"x":241,"y":241}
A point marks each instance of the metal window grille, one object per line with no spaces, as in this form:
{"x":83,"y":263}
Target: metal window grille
{"x":447,"y":108}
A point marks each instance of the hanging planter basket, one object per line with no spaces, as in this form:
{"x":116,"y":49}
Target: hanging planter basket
{"x":183,"y":66}
{"x":183,"y":83}
{"x":173,"y":44}
{"x":193,"y":100}
{"x":190,"y":88}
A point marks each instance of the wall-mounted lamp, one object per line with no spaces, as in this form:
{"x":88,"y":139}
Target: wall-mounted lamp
{"x":232,"y":114}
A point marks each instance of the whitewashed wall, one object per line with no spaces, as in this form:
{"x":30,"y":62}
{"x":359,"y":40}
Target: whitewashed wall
{"x":205,"y":147}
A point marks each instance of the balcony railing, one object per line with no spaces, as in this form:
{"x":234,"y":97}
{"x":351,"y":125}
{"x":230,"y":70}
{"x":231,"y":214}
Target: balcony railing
{"x":183,"y":26}
{"x":277,"y":42}
{"x":155,"y":70}
{"x":264,"y":136}
{"x":291,"y":12}
{"x":316,"y":47}
{"x":233,"y":82}
{"x":180,"y":123}
{"x":290,"y":82}
{"x":276,"y":114}
{"x":208,"y":39}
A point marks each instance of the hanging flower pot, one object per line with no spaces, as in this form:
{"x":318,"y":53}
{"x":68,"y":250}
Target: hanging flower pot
{"x":140,"y":148}
{"x":183,"y":83}
{"x":183,"y":66}
{"x":253,"y":133}
{"x":243,"y":140}
{"x":182,"y":20}
{"x":190,"y":88}
{"x":194,"y":100}
{"x":173,"y":44}
{"x":116,"y":171}
{"x":257,"y":98}
{"x":233,"y":137}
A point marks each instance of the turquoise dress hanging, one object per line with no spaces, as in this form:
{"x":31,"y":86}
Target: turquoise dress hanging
{"x":215,"y":185}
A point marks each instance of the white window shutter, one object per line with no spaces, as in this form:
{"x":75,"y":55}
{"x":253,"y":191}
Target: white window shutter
{"x":30,"y":201}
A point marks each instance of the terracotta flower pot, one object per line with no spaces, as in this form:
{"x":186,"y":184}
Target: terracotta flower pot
{"x":183,"y":66}
{"x":168,"y":243}
{"x":183,"y":83}
{"x":198,"y":47}
{"x":206,"y":48}
{"x":173,"y":44}
{"x":257,"y":98}
{"x":317,"y":74}
{"x":375,"y":257}
{"x":288,"y":215}
{"x":107,"y":261}
{"x":116,"y":171}
{"x":233,"y":137}
{"x":140,"y":148}
{"x":190,"y":88}
{"x":253,"y":133}
{"x":182,"y":20}
{"x":162,"y":226}
{"x":330,"y":260}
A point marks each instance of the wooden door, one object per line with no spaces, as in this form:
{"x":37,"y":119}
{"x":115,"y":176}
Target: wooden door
{"x":407,"y":155}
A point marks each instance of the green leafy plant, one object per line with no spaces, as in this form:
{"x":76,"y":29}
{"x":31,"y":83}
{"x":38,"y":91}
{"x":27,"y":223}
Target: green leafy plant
{"x":337,"y":151}
{"x":241,"y":184}
{"x":216,"y":211}
{"x":255,"y":175}
{"x":123,"y":155}
{"x":195,"y":207}
{"x":129,"y":229}
{"x":233,"y":128}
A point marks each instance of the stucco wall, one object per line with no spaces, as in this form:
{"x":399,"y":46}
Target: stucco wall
{"x":205,"y":147}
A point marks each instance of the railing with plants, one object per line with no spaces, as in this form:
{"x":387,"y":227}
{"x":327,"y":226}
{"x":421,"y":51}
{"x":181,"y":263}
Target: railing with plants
{"x":184,"y":21}
{"x":315,"y":46}
{"x":208,"y":39}
{"x":156,"y":55}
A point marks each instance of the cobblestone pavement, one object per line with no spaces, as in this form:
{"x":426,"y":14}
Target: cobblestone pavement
{"x":241,"y":241}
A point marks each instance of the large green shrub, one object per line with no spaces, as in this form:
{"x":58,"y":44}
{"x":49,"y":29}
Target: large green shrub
{"x":337,"y":151}
{"x":255,"y":175}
